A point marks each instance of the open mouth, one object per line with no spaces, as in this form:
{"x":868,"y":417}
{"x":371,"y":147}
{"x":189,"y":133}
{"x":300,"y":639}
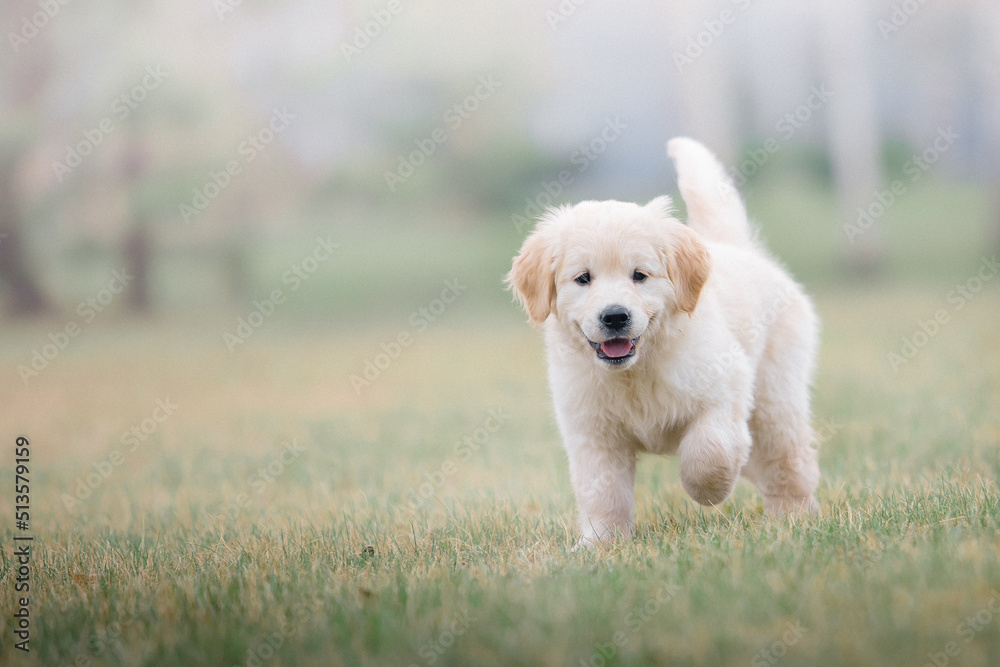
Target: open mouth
{"x":615,"y":350}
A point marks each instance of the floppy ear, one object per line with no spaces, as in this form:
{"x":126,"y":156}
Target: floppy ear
{"x":532,"y":277}
{"x":687,"y":265}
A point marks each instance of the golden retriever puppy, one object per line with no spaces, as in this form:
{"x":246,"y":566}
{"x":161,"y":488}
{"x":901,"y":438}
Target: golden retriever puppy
{"x":672,"y":339}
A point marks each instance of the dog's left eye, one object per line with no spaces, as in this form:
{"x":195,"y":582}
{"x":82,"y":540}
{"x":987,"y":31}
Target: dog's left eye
{"x":639,"y":276}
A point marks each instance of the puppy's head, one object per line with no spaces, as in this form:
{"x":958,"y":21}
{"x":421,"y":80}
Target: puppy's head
{"x":610,"y":272}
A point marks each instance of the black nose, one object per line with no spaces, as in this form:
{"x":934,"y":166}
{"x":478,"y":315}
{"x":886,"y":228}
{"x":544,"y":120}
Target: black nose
{"x":615,"y":317}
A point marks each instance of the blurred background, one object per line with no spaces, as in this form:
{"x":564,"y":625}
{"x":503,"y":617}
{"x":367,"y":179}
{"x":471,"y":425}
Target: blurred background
{"x":205,"y":147}
{"x":223,"y":221}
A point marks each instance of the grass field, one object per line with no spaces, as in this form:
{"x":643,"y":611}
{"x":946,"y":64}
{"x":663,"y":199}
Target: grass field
{"x":192,"y":505}
{"x":276,"y":517}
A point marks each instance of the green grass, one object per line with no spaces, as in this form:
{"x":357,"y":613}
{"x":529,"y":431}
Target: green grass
{"x":936,"y":230}
{"x":187,"y":555}
{"x":162,"y":566}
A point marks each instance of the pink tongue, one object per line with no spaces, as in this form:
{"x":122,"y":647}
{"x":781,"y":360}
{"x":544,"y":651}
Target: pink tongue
{"x":616,"y":347}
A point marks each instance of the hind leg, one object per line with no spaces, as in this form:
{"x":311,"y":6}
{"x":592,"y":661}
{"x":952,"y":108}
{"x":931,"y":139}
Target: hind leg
{"x":783,"y":463}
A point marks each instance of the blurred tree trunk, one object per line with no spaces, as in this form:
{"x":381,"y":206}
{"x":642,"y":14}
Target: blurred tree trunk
{"x":987,"y":17}
{"x":137,"y":248}
{"x":27,"y":297}
{"x":137,"y":258}
{"x":24,"y":78}
{"x":706,"y":84}
{"x":236,"y":249}
{"x":237,"y":269}
{"x":847,"y":28}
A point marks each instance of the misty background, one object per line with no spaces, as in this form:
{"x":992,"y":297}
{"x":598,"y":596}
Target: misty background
{"x":216,"y":151}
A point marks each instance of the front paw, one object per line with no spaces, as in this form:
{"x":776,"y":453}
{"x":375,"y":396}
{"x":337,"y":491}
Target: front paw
{"x":593,"y":536}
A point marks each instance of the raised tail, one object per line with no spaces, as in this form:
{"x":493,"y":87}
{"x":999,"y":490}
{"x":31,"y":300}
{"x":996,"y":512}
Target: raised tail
{"x":714,"y":207}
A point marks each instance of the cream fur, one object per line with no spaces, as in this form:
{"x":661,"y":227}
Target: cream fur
{"x":726,"y":348}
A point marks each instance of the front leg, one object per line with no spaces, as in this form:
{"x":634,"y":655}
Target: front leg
{"x":604,"y":483}
{"x":712,"y":454}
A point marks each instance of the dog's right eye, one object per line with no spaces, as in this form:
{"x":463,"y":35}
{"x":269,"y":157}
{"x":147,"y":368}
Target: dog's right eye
{"x":583,"y":278}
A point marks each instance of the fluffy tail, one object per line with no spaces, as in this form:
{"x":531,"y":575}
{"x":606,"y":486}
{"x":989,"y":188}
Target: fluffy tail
{"x":714,"y":207}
